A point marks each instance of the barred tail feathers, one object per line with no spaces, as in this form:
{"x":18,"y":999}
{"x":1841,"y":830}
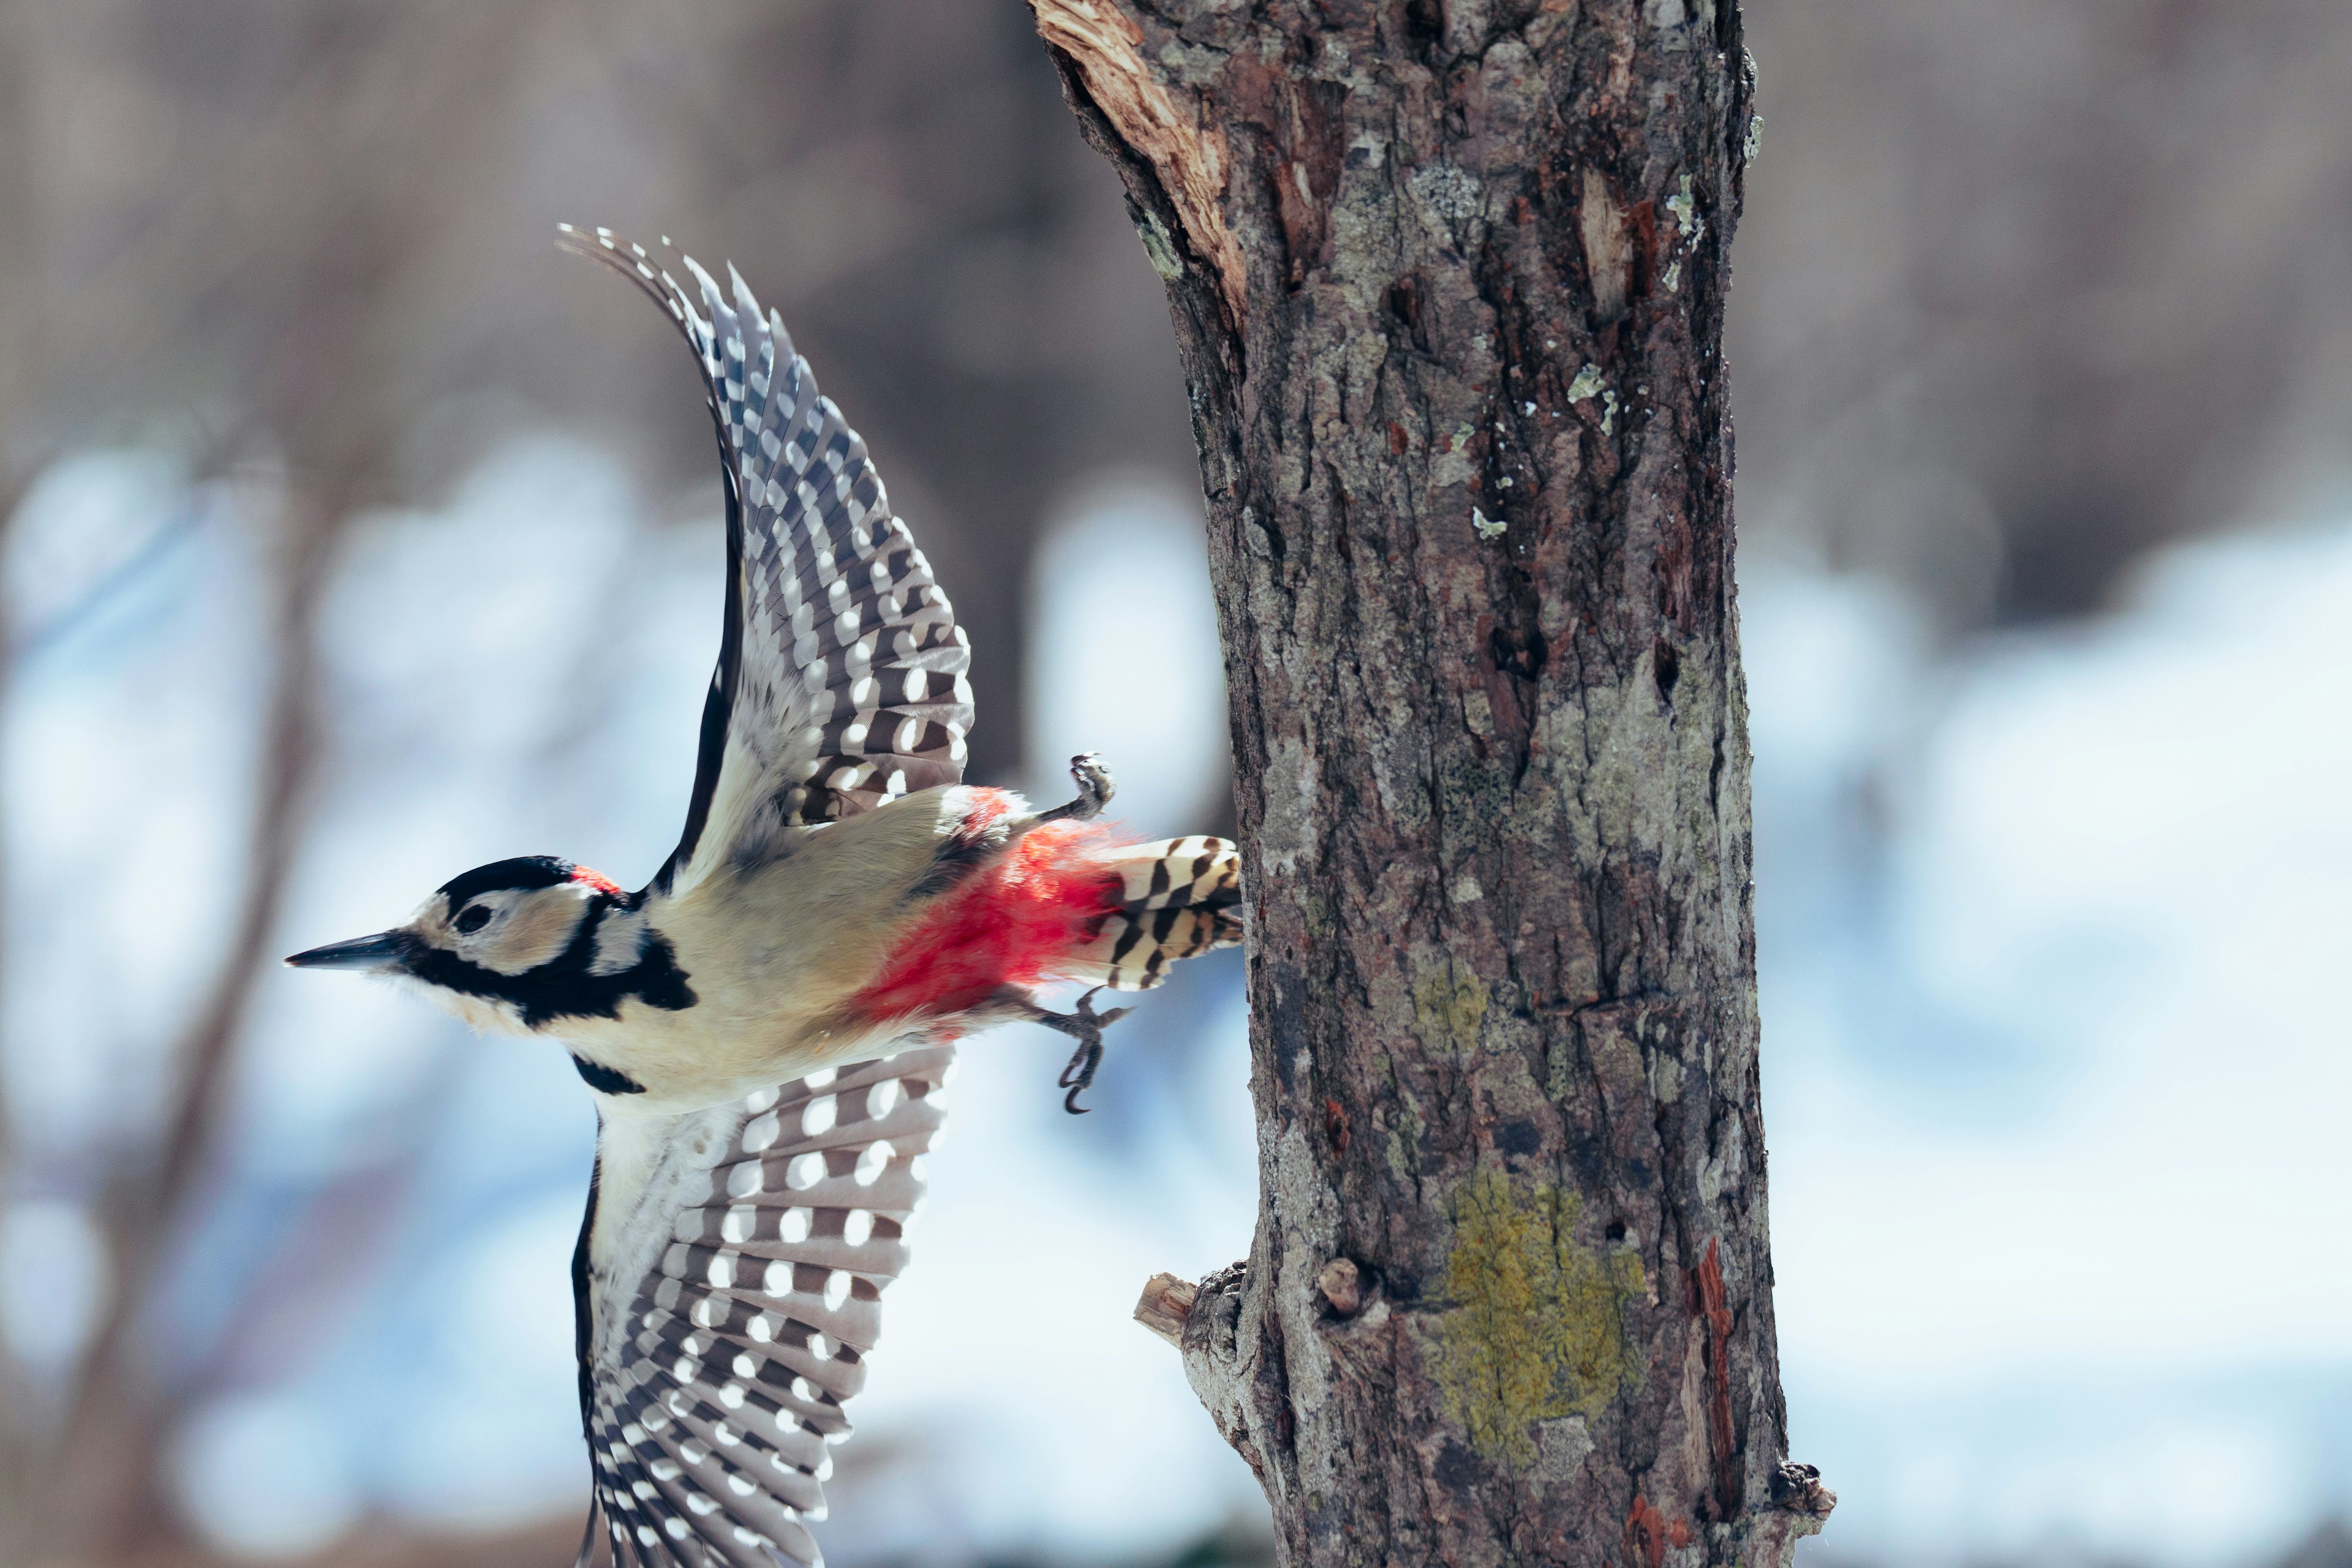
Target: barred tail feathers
{"x":1181,"y":898}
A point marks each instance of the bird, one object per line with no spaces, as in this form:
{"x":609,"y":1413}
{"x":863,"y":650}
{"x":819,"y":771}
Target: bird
{"x":766,"y":1027}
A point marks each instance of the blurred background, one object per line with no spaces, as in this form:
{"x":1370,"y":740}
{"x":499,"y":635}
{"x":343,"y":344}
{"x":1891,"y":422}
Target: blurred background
{"x":353,"y":536}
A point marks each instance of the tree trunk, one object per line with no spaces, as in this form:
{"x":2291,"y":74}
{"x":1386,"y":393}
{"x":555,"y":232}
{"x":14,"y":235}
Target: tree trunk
{"x":1448,"y":282}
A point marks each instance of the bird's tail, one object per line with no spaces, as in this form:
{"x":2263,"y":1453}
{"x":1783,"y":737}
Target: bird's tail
{"x":1182,"y":896}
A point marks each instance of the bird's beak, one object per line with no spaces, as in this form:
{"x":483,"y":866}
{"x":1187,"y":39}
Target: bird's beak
{"x":382,"y":950}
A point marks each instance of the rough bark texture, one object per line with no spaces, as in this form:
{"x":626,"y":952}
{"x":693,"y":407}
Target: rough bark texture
{"x":1448,"y":281}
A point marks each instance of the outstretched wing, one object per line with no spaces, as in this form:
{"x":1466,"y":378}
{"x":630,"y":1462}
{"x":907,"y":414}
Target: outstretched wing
{"x":841,"y":679}
{"x":730,"y":1281}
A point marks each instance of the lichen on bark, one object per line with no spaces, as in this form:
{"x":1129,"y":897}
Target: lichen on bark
{"x":1535,"y":1325}
{"x":1449,"y":1004}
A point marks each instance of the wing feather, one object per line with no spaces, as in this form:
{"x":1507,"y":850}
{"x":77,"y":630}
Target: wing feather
{"x":732,"y":1306}
{"x":842,"y":678}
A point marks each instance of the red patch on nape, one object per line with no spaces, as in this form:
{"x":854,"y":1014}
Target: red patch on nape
{"x":598,"y":880}
{"x":1011,"y":923}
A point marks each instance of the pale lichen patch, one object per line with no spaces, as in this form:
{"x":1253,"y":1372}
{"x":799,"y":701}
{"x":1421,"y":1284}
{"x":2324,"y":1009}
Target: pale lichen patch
{"x":1193,"y":65}
{"x":1158,"y":246}
{"x":1665,"y":1078}
{"x":1478,"y":713}
{"x":1449,"y":1003}
{"x":1534,"y":1330}
{"x":1562,"y":1445}
{"x":1404,"y":1138}
{"x":1451,"y":465}
{"x":1285,"y":825}
{"x":1685,"y":206}
{"x":1450,"y":199}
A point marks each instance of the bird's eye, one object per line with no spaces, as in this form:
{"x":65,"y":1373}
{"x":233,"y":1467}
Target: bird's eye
{"x":475,"y":918}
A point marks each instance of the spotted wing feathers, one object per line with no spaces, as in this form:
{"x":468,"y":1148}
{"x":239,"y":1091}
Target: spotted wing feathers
{"x":718,"y":1375}
{"x":842,"y":676}
{"x":1182,"y":898}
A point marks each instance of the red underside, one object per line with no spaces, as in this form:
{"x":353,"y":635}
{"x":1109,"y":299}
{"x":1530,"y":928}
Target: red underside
{"x":1009,"y":925}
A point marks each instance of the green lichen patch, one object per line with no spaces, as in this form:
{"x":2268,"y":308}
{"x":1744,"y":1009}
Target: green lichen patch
{"x":1535,"y":1325}
{"x":1449,"y":1004}
{"x":1402,"y":1126}
{"x":1159,"y":247}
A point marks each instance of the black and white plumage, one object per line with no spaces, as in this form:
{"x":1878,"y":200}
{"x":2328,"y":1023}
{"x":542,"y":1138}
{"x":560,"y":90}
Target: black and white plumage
{"x":842,"y":674}
{"x":730,"y":1318}
{"x":766,"y":1025}
{"x":1179,"y":899}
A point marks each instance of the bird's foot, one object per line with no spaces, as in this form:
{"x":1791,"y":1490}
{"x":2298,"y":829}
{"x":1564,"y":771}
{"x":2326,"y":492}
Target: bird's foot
{"x":1085,"y":1026}
{"x":1095,"y":790}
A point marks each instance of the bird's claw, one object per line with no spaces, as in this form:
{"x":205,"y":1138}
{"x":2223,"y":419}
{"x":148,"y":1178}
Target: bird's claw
{"x":1080,"y":1071}
{"x":1085,"y":1025}
{"x":1095,"y":790}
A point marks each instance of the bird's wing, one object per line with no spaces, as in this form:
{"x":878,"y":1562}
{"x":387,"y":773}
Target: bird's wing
{"x":730,"y":1284}
{"x":841,"y":679}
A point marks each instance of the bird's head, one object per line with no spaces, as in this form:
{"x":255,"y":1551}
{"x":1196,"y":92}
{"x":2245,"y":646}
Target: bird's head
{"x":509,"y":946}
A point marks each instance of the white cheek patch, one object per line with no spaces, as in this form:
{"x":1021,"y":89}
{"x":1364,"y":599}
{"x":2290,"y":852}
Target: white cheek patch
{"x":620,"y":941}
{"x":538,"y":927}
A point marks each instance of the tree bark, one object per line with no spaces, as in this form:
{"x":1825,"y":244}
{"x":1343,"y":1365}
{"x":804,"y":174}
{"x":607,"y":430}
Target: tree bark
{"x":1448,"y":282}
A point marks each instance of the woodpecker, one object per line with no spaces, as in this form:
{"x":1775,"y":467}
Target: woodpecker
{"x":767,"y":1026}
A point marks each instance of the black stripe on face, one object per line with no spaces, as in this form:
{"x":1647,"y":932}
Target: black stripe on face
{"x":565,"y":987}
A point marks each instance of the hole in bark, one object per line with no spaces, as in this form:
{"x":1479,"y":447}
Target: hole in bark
{"x":1424,"y":21}
{"x":1404,"y":304}
{"x":1518,"y":1136}
{"x":1667,"y":666}
{"x":1515,"y":652}
{"x":1616,"y":1231}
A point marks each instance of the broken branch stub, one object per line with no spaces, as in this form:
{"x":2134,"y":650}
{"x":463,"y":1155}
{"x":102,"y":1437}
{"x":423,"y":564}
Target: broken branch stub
{"x":1099,"y":43}
{"x":1165,"y":1302}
